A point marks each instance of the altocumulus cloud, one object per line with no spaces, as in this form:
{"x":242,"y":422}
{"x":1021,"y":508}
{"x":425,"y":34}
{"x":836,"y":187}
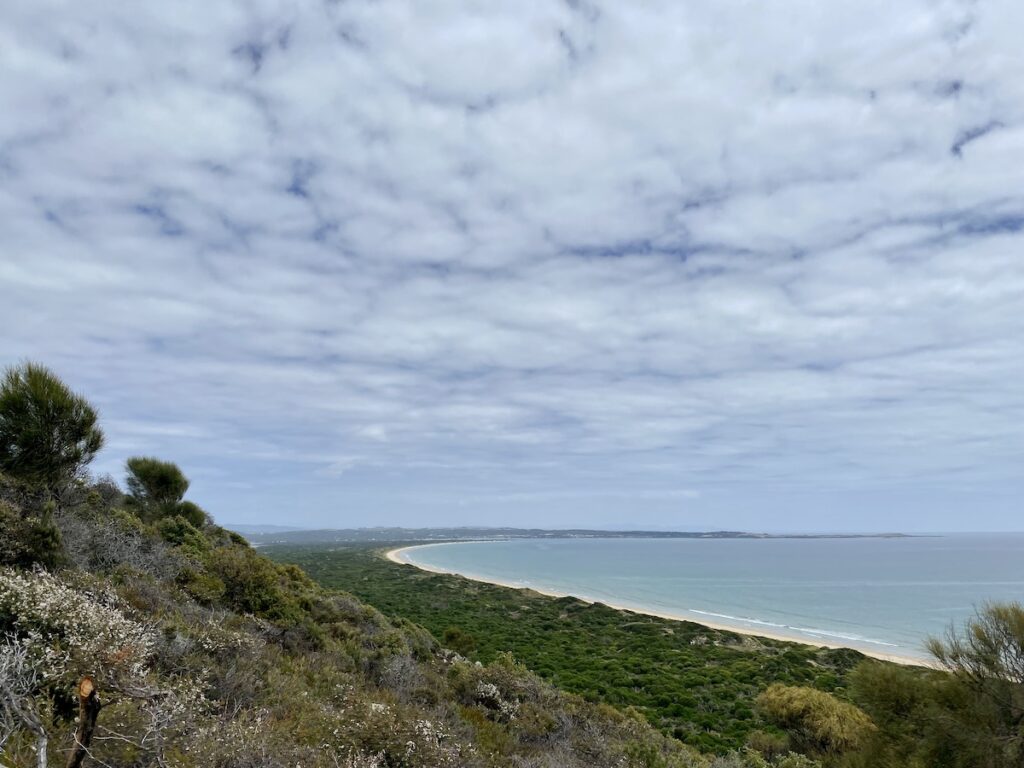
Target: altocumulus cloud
{"x":711,"y":263}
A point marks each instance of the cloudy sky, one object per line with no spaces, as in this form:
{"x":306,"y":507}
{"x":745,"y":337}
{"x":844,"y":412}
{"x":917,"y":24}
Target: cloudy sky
{"x":695,"y":264}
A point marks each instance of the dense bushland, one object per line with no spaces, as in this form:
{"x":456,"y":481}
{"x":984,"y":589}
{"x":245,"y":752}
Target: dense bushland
{"x":718,"y":690}
{"x":694,"y":683}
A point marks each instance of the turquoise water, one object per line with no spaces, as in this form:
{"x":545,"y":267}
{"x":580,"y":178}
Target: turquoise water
{"x":878,"y":595}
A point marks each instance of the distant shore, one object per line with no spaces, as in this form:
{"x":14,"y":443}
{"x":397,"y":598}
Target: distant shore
{"x":399,"y":555}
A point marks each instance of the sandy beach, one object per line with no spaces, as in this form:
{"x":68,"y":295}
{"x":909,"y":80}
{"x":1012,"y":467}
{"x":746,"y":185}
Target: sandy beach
{"x":400,"y":556}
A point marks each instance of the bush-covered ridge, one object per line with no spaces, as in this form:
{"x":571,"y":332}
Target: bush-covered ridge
{"x":135,"y":632}
{"x":190,"y":649}
{"x":207,"y":654}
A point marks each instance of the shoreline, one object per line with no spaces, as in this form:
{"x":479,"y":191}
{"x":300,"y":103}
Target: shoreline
{"x":398,"y":555}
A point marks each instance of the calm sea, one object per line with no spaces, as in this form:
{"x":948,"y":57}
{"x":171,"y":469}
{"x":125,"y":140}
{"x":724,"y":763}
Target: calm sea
{"x":877,"y":595}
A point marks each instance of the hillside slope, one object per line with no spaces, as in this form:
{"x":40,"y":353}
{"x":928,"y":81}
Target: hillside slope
{"x":205,"y":653}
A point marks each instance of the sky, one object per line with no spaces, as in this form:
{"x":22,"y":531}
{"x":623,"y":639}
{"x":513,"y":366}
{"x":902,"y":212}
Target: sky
{"x":712,"y":264}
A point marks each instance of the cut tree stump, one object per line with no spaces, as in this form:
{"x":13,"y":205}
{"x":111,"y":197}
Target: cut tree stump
{"x":88,"y":710}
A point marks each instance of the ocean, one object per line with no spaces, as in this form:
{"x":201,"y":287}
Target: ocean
{"x":879,"y":595}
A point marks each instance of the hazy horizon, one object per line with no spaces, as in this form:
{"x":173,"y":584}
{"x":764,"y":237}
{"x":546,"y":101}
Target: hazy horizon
{"x":578,"y":264}
{"x":275,"y":528}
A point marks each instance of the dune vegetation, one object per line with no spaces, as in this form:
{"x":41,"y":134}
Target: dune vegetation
{"x":696,"y":684}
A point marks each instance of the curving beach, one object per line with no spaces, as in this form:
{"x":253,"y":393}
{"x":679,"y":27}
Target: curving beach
{"x":401,"y":556}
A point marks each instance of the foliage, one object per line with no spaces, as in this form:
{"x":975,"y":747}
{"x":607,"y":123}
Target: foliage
{"x":177,"y":530}
{"x":191,"y":512}
{"x":971,"y":717}
{"x":28,"y":540}
{"x":156,"y":487}
{"x":818,"y":722}
{"x":988,"y":657}
{"x":75,"y":630}
{"x":906,"y":709}
{"x":111,"y":539}
{"x":47,"y":432}
{"x":42,"y":539}
{"x":458,"y":640}
{"x":691,"y":682}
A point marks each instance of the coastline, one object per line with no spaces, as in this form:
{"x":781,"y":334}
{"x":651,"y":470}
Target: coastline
{"x":399,"y":556}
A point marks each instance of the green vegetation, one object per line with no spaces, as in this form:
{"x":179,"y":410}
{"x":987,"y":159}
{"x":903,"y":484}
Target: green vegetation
{"x":135,"y":633}
{"x":970,"y":718}
{"x":819,"y":723}
{"x":155,"y":491}
{"x":47,"y":432}
{"x":693,"y":683}
{"x":717,"y":690}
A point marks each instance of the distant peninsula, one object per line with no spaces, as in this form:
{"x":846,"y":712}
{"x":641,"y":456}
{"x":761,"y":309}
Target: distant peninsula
{"x":272,"y":535}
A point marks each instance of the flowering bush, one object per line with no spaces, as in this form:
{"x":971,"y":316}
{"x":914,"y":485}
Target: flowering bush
{"x":489,"y":696}
{"x":396,"y":736}
{"x":73,"y":631}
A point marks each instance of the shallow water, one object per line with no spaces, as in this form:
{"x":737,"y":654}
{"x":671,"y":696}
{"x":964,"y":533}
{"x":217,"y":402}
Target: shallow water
{"x":878,"y":595}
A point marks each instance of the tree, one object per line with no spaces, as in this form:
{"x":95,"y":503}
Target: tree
{"x":969,"y":713}
{"x":986,"y":661}
{"x":156,"y":487}
{"x":47,"y":432}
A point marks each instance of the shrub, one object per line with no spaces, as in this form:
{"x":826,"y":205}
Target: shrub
{"x":817,"y":721}
{"x":180,"y":532}
{"x":969,"y":716}
{"x":116,"y":539}
{"x":769,"y":745}
{"x":459,"y":641}
{"x":10,"y":534}
{"x":43,"y":543}
{"x":72,"y":631}
{"x":192,"y":512}
{"x":30,"y":540}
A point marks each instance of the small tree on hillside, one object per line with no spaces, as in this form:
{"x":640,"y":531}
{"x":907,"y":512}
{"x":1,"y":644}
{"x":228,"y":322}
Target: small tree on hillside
{"x":155,"y":486}
{"x":156,"y":489}
{"x":48,"y":434}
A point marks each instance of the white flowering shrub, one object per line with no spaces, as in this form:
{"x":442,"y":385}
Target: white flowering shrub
{"x":73,"y":631}
{"x":489,"y":696}
{"x":367,"y":732}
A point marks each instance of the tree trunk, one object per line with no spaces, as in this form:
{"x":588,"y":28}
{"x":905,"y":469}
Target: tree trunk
{"x":88,"y":710}
{"x":41,"y":742}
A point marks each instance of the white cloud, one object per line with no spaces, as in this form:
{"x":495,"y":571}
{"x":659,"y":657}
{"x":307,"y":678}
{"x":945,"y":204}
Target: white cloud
{"x":396,"y":256}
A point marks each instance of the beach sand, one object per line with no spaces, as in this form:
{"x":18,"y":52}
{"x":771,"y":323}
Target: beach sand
{"x":400,"y":556}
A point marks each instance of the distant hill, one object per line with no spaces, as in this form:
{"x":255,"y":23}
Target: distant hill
{"x":255,"y":530}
